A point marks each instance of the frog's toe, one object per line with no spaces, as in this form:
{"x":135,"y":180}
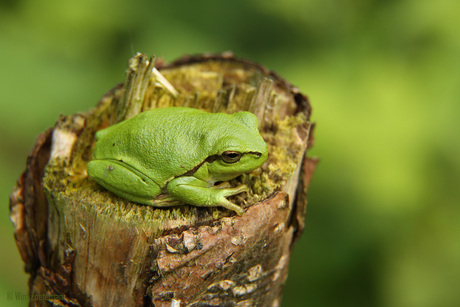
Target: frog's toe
{"x":242,"y":188}
{"x":237,"y":190}
{"x":231,"y":206}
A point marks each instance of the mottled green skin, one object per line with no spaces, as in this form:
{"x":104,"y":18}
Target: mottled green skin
{"x":179,"y":151}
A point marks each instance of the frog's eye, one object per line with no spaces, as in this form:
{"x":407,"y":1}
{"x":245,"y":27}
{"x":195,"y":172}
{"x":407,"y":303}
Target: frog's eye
{"x":231,"y":156}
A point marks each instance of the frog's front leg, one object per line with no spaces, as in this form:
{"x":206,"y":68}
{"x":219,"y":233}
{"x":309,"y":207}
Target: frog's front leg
{"x":195,"y":192}
{"x":123,"y":180}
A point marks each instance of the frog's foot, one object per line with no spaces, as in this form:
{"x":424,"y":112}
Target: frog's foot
{"x":234,"y":191}
{"x":231,"y":206}
{"x":219,"y":198}
{"x":195,"y":192}
{"x":224,"y":202}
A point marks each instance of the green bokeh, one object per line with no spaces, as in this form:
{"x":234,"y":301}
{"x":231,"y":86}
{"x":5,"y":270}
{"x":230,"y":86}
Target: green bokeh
{"x":383,"y":221}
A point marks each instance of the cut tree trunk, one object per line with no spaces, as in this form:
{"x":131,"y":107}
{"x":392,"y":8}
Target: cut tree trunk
{"x":84,"y":246}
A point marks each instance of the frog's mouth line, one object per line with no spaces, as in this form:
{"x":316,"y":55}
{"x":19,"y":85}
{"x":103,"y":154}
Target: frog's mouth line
{"x":255,"y":153}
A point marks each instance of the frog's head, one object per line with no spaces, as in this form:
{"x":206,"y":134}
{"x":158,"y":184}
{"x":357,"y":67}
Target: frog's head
{"x":239,"y":149}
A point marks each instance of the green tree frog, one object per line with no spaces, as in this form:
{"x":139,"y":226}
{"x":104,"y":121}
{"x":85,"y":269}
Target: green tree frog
{"x":178,"y":151}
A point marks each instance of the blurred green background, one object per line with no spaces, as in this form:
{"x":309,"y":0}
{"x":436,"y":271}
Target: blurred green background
{"x":383,"y":77}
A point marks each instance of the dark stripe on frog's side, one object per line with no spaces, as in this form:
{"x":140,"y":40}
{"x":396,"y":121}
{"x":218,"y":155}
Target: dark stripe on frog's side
{"x":209,"y":159}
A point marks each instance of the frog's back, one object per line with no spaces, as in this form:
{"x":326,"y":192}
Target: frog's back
{"x":166,"y":123}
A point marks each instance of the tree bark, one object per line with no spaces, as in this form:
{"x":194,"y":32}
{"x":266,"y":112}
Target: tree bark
{"x":83,"y":246}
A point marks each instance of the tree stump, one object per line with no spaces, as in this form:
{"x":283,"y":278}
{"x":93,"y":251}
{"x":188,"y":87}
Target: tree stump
{"x":84,"y":246}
